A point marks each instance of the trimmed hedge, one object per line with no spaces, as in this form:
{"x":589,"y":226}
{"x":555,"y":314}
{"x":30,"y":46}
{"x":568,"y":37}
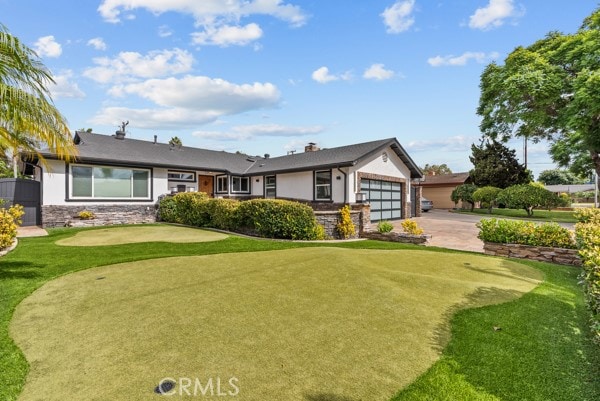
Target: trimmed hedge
{"x":504,"y":231}
{"x":587,"y":231}
{"x":269,"y":218}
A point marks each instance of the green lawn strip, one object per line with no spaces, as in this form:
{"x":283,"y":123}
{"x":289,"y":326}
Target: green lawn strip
{"x":140,"y":233}
{"x":541,"y":352}
{"x":292,"y":322}
{"x":558,"y":216}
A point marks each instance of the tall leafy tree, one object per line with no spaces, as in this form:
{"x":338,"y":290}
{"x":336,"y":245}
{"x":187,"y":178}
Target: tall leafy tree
{"x":549,"y":90}
{"x":28,"y":117}
{"x":559,"y":177}
{"x":496,"y":166}
{"x":436,"y":169}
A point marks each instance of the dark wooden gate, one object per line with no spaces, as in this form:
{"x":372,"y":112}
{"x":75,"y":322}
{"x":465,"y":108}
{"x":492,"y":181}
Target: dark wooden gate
{"x":25,"y":193}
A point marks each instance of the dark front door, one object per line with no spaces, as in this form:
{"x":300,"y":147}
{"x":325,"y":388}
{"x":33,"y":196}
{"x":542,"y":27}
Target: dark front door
{"x":206,"y":184}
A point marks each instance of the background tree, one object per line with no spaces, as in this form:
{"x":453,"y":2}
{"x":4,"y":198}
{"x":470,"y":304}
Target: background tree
{"x":28,"y":116}
{"x":175,"y":141}
{"x":436,"y":169}
{"x":487,"y":196}
{"x":496,"y":166}
{"x":559,"y":177}
{"x":464,"y":193}
{"x":549,"y":90}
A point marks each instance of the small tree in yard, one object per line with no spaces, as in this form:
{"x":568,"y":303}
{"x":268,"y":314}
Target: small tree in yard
{"x":487,"y":195}
{"x":527,"y":197}
{"x":464,"y":193}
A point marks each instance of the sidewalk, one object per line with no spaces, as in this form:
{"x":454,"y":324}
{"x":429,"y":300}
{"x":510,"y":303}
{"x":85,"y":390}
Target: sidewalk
{"x":31,"y":231}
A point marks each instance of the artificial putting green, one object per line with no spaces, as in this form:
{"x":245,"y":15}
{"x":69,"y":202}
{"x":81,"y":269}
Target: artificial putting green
{"x":297,"y":324}
{"x":139,"y":234}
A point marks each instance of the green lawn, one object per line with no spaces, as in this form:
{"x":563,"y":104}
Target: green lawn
{"x":542,"y":351}
{"x":558,"y":216}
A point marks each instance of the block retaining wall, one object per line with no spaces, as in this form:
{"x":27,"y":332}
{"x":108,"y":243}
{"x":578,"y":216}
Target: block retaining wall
{"x":559,"y":256}
{"x":66,"y":216}
{"x":397,"y":237}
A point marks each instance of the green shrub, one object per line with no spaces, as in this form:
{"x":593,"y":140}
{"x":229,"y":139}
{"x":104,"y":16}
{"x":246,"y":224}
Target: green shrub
{"x":276,"y":218}
{"x":86,"y":215}
{"x":564,"y":200}
{"x":384,"y":226}
{"x":10,"y":220}
{"x":411,"y":227}
{"x":486,"y":195}
{"x":185,"y":208}
{"x":505,"y":231}
{"x":345,"y":226}
{"x":587,"y":231}
{"x":464,"y":193}
{"x":527,"y":197}
{"x":223,"y":213}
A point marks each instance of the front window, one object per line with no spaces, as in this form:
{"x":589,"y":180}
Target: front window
{"x":323,"y":185}
{"x":182,"y":176}
{"x":240,"y":184}
{"x":222,"y":184}
{"x":109,"y":183}
{"x":270,"y":186}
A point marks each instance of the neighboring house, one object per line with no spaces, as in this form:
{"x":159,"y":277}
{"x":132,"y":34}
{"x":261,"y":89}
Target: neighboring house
{"x":570,"y":189}
{"x":438,"y":188}
{"x":123,"y":177}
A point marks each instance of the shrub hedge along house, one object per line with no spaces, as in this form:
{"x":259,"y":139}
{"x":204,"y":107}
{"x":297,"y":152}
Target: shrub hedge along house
{"x":122,"y":178}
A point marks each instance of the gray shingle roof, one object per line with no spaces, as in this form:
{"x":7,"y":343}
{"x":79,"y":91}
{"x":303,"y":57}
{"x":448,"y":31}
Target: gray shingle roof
{"x":108,"y":149}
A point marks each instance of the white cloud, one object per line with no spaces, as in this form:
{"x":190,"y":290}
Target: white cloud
{"x":97,"y":43}
{"x":378,"y":72}
{"x":322,"y":75}
{"x":47,"y":46}
{"x":164,"y":31}
{"x":463,"y":59}
{"x":398,"y":17}
{"x":228,"y":35}
{"x":244,"y":132}
{"x":130,"y":65}
{"x":65,"y":87}
{"x":494,"y":14}
{"x":450,"y":144}
{"x":188,"y":102}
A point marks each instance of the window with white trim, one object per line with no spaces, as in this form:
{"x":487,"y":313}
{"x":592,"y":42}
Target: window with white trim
{"x":240,"y":184}
{"x":222,"y":184}
{"x":270,"y":186}
{"x":323,"y":185}
{"x":96,"y":182}
{"x":181,"y":176}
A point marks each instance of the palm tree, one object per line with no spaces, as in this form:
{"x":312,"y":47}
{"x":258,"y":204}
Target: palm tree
{"x":28,"y":117}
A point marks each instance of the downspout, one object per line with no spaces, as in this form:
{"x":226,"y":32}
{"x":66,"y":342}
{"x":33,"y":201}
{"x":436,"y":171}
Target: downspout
{"x":345,"y":185}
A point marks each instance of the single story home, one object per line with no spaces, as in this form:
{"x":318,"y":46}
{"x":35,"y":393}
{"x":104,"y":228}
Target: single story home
{"x":123,"y":177}
{"x":439,"y":187}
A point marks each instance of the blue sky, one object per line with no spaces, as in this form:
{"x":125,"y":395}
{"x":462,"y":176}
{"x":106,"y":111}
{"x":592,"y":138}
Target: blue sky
{"x":269,"y":76}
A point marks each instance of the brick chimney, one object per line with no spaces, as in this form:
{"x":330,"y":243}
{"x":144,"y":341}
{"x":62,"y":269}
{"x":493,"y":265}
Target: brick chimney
{"x":311,"y":147}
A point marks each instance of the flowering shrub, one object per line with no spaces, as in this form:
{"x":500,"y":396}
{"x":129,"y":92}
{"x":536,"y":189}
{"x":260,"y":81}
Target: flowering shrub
{"x":10,"y":220}
{"x":86,"y":215}
{"x":587,"y":231}
{"x":411,"y":227}
{"x":345,"y":227}
{"x":505,"y":231}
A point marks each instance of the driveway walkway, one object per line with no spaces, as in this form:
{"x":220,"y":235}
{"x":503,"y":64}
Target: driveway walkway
{"x":451,"y":230}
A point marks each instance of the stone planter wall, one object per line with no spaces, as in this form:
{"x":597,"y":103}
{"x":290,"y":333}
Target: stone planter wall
{"x":397,"y":237}
{"x":329,"y":220}
{"x":559,"y":256}
{"x":66,"y":216}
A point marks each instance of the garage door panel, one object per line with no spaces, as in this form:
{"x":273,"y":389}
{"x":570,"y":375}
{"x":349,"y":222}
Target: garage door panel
{"x":385,"y":198}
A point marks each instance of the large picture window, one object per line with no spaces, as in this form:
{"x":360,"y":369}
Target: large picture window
{"x":323,"y":185}
{"x":222,"y":184}
{"x":109,"y":183}
{"x":240,"y":184}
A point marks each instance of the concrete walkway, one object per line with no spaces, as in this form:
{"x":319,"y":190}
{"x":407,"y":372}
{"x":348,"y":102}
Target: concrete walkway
{"x":451,"y":230}
{"x":31,"y":231}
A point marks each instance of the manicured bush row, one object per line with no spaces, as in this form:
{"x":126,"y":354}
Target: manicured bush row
{"x":587,"y":232}
{"x":504,"y":231}
{"x":269,"y":218}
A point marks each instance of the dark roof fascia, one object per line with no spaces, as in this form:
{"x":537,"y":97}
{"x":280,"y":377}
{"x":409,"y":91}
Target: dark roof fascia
{"x":299,"y":169}
{"x":112,"y":162}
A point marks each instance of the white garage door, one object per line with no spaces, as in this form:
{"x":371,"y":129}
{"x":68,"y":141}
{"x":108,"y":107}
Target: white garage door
{"x":385,"y":198}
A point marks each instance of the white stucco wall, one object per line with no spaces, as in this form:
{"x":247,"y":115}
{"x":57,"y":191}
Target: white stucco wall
{"x":295,"y":185}
{"x":257,"y":185}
